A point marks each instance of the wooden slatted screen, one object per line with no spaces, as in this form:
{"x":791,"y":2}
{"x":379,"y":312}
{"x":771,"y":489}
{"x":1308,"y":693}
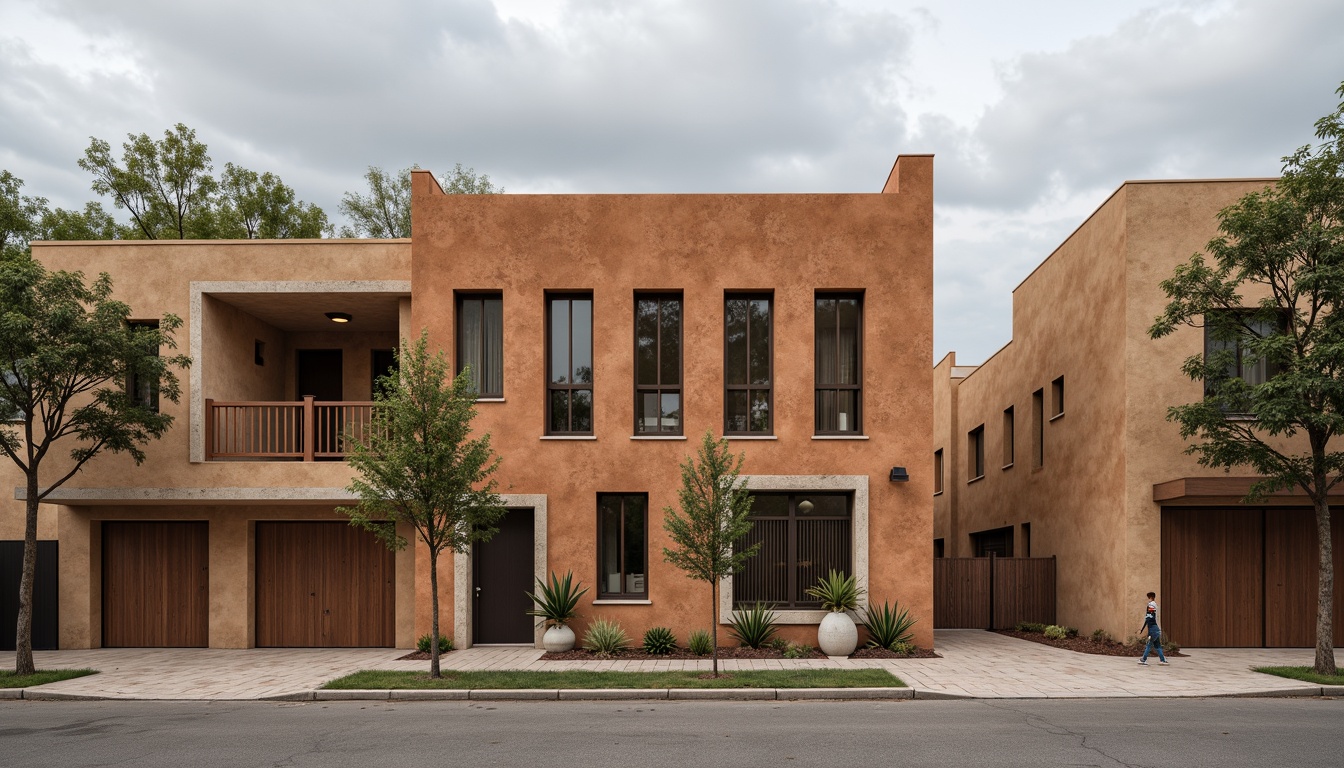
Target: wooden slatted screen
{"x":1024,"y":590}
{"x":961,"y":593}
{"x":156,"y":584}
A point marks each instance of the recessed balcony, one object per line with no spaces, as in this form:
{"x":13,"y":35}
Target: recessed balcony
{"x":308,"y":430}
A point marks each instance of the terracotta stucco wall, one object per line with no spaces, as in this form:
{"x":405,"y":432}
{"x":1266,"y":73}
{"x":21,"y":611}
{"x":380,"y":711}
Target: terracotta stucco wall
{"x":1068,"y":320}
{"x":701,"y":245}
{"x":228,"y":337}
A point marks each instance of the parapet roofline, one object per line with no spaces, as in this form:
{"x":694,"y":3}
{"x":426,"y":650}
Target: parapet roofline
{"x":285,"y":241}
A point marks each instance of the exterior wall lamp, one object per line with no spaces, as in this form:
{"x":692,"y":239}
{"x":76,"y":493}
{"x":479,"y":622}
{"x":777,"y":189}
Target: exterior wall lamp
{"x":899,"y":475}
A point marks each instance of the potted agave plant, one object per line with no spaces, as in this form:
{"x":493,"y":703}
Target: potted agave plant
{"x":557,"y":605}
{"x":839,"y":594}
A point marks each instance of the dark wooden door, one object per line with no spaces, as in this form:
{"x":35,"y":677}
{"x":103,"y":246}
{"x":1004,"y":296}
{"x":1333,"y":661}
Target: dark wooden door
{"x":156,"y":584}
{"x":502,"y":574}
{"x":383,"y":361}
{"x":323,"y":585}
{"x":1212,"y":577}
{"x":318,"y":373}
{"x":46,"y":604}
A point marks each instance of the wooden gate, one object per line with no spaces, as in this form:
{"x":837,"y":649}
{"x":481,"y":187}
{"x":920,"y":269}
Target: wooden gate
{"x":992,"y":592}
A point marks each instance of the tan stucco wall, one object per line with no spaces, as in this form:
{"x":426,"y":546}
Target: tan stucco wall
{"x":702,"y":245}
{"x":944,"y":422}
{"x":230,"y":372}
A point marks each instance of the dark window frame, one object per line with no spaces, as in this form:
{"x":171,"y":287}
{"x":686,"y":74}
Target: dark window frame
{"x":1038,"y":428}
{"x":975,"y":453}
{"x":1057,"y":398}
{"x":938,"y":470}
{"x":1009,"y":437}
{"x":749,"y":388}
{"x":602,"y":594}
{"x":984,"y":543}
{"x":571,"y":387}
{"x":661,"y":388}
{"x":857,"y":388}
{"x":792,"y":563}
{"x":1271,"y":369}
{"x":459,"y":298}
{"x":150,"y":398}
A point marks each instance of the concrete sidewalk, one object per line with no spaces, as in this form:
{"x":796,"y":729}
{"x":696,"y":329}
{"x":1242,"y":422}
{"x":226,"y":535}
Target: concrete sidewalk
{"x":975,"y":664}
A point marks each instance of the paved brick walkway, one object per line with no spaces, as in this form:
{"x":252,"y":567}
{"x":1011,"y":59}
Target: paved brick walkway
{"x":974,"y":663}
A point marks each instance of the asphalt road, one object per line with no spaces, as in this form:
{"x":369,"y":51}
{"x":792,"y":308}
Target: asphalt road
{"x":1213,"y":732}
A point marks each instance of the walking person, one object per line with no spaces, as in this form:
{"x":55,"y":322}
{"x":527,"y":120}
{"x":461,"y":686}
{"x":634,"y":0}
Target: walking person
{"x":1153,"y":630}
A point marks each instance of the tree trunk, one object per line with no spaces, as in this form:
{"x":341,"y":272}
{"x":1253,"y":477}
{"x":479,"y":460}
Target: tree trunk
{"x":434,"y":612}
{"x":1325,"y":593}
{"x":23,"y":639}
{"x":714,"y":625}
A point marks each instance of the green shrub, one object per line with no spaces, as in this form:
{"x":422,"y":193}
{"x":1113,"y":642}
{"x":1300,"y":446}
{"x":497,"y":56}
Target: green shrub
{"x":888,"y":625}
{"x":558,"y":602}
{"x":905,"y":649}
{"x":754,"y":626}
{"x":1101,"y":636}
{"x":700,"y":643}
{"x":1071,"y":631}
{"x":837,"y":592}
{"x":1056,"y":632}
{"x":1029,"y":626}
{"x":422,"y":645}
{"x":793,"y":651}
{"x":605,"y":637}
{"x":779,"y":644}
{"x":659,"y":641}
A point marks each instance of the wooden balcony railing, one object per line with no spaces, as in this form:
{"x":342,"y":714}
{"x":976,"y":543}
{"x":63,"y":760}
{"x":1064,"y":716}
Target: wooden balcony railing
{"x":306,"y":430}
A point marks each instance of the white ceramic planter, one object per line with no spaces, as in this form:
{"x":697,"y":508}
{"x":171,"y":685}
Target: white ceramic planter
{"x":837,"y":635}
{"x":558,"y":639}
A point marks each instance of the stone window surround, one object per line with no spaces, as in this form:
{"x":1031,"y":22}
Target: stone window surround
{"x":462,"y":602}
{"x":858,"y":484}
{"x":198,"y":288}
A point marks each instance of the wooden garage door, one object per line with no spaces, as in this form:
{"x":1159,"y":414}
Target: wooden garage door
{"x":323,"y":585}
{"x":1212,"y":577}
{"x":156,"y":585}
{"x":1292,"y":576}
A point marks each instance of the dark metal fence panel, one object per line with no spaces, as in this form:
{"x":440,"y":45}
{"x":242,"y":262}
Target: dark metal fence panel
{"x":46,"y":607}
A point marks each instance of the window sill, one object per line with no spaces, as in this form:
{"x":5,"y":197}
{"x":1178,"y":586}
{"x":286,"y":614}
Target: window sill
{"x":1057,"y":416}
{"x":657,"y":437}
{"x":490,"y":400}
{"x":569,"y":437}
{"x":1009,"y":465}
{"x":750,"y":437}
{"x":937,"y":493}
{"x":975,"y":479}
{"x":839,"y":437}
{"x":615,"y":601}
{"x":792,"y":616}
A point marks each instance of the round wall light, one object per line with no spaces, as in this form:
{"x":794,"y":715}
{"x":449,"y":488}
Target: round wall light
{"x":339,"y":317}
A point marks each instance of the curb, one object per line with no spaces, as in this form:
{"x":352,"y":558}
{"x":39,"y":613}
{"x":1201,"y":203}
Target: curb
{"x":1271,"y":693}
{"x":1332,"y":690}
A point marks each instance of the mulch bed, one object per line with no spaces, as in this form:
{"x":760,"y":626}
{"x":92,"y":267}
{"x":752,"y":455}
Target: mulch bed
{"x":420,"y":656}
{"x":883,"y":653}
{"x":634,"y":654}
{"x":1083,"y":644}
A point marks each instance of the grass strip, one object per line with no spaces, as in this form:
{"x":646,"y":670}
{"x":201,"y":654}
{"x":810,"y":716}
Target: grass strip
{"x":374,"y":679}
{"x":41,"y":677}
{"x":1306,"y":674}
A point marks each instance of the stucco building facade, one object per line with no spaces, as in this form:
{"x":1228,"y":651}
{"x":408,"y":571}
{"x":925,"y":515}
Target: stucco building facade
{"x":607,"y":334}
{"x":1058,"y":444}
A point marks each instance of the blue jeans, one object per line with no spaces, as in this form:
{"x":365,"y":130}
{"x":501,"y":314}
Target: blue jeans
{"x":1154,"y":642}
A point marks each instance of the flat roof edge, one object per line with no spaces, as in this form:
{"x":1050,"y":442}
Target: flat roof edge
{"x":282,"y":241}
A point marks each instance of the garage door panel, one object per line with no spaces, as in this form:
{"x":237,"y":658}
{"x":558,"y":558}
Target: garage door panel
{"x":1212,"y":570}
{"x":325,"y":585}
{"x":156,"y":584}
{"x":1290,"y":578}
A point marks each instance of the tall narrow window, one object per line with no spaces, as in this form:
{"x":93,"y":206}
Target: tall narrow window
{"x":839,"y":350}
{"x":1026,"y":539}
{"x":569,"y":364}
{"x":141,"y":385}
{"x":658,"y":365}
{"x":622,"y":522}
{"x":1008,"y":437}
{"x":938,"y":471}
{"x":480,"y":341}
{"x":747,"y":365}
{"x":975,"y":452}
{"x":1038,"y":428}
{"x":1057,"y":398}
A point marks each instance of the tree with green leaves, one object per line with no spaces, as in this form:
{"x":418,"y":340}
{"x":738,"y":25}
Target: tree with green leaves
{"x":261,"y":206}
{"x":715,"y":515}
{"x":19,"y":215}
{"x":386,"y":210}
{"x":418,"y":464}
{"x":67,"y":354}
{"x":1271,"y":302}
{"x":165,"y":185}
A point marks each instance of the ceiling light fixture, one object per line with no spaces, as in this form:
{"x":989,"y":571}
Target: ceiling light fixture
{"x":339,"y":317}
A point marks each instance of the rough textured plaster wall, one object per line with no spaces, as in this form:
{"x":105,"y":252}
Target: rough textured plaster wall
{"x":1068,"y":319}
{"x":702,"y":245}
{"x":228,"y":338}
{"x":944,"y":421}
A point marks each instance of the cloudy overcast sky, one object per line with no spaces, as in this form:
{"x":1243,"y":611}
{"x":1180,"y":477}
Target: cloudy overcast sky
{"x":1036,"y":109}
